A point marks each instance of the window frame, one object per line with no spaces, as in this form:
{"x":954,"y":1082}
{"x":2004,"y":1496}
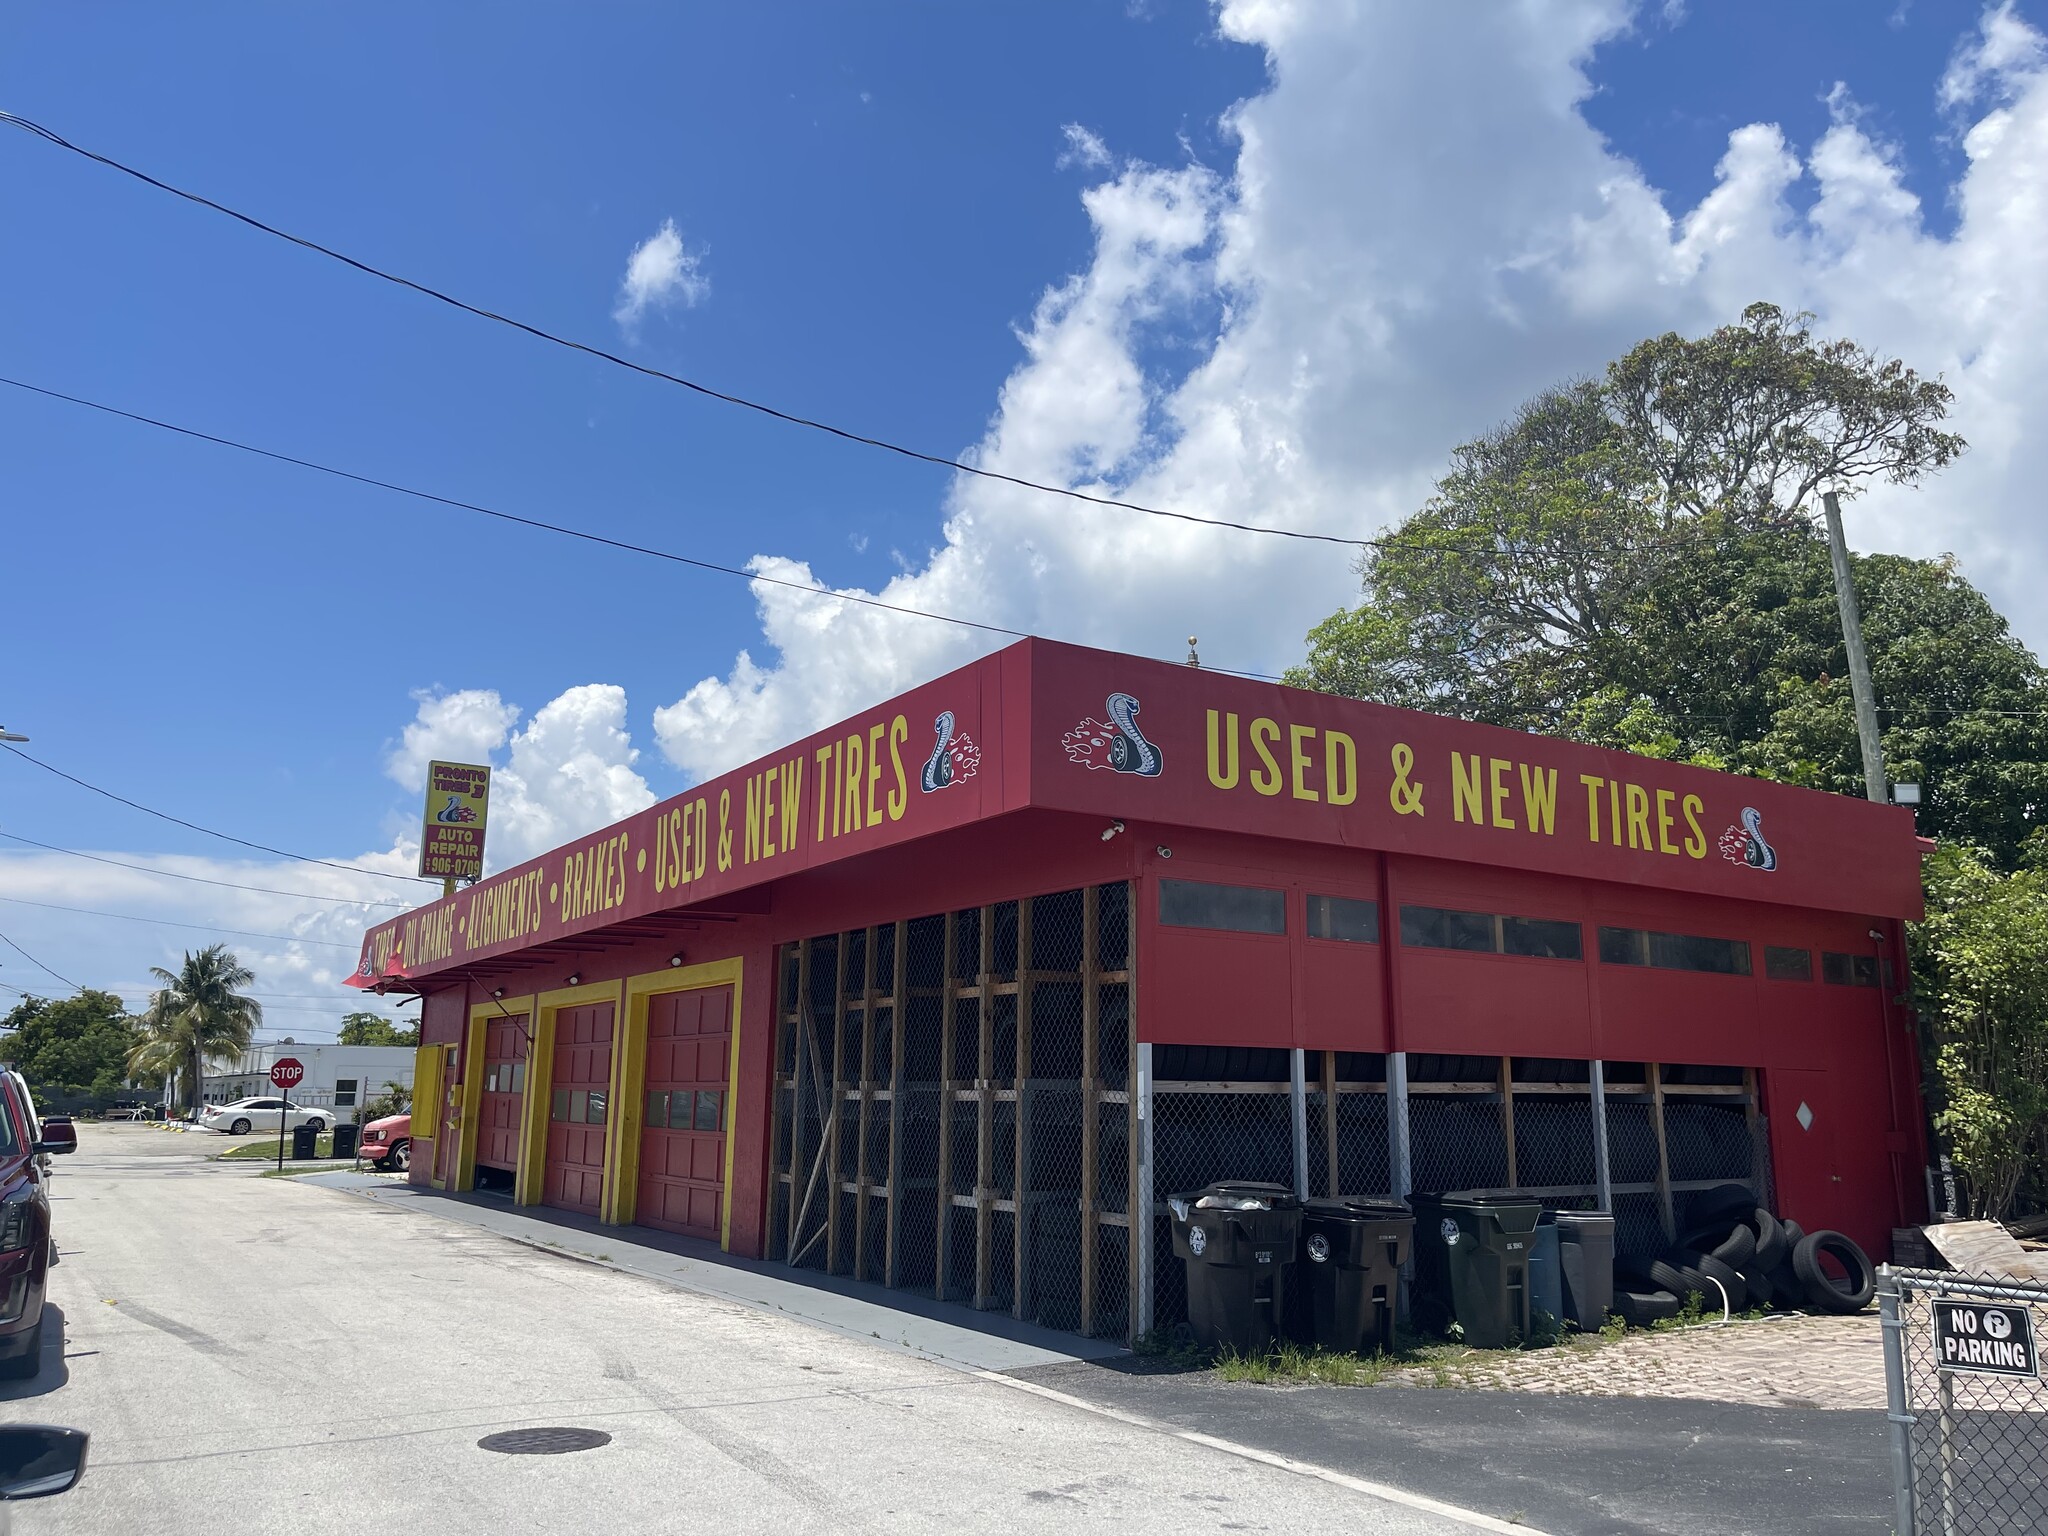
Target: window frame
{"x":1280,"y":892}
{"x":1308,"y":928}
{"x":1771,"y":951}
{"x":1497,"y":927}
{"x":1647,"y":949}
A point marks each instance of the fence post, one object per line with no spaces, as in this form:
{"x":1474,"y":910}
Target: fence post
{"x":1140,"y":1202}
{"x":1297,"y":1103}
{"x":1900,"y":1421}
{"x":1602,"y":1172}
{"x":1398,"y":1171}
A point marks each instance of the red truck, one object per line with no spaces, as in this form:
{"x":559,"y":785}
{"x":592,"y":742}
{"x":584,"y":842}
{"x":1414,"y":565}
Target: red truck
{"x":26,"y":1248}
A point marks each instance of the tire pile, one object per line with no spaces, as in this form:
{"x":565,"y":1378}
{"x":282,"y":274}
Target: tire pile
{"x":1737,"y":1248}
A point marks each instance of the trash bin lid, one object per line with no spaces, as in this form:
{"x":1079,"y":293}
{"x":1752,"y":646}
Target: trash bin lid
{"x":1246,"y":1195}
{"x":1345,"y":1209}
{"x":1490,"y":1197}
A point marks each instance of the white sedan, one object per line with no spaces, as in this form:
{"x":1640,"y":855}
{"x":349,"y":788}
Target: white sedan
{"x":246,"y":1115}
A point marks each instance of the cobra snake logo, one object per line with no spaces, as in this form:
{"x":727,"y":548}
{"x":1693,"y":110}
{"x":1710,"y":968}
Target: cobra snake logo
{"x":1746,"y":844}
{"x":955,"y":758}
{"x":1116,"y":744}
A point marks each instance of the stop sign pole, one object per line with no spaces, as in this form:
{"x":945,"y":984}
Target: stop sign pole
{"x":286,"y":1073}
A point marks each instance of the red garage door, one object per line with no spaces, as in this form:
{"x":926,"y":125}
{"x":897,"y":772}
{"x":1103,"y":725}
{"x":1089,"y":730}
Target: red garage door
{"x":682,"y":1147}
{"x":578,"y":1108}
{"x":497,"y":1131}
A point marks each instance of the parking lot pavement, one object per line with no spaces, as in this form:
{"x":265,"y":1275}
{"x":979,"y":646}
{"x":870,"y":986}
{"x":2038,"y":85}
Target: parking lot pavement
{"x":253,"y":1351}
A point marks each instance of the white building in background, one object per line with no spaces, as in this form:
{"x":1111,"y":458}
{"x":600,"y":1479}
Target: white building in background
{"x":338,"y":1077}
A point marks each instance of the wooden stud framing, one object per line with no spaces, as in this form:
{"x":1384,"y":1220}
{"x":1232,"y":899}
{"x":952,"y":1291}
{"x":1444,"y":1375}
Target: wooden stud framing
{"x":1137,"y":1202}
{"x":1334,"y":1179}
{"x":1507,"y":1113}
{"x":1665,"y":1212}
{"x":783,"y":1026}
{"x":796,"y":1098}
{"x":831,"y":1147}
{"x":943,"y":1203}
{"x":1020,"y":1170}
{"x":1091,"y":1092}
{"x":985,"y":1110}
{"x":863,"y":1174}
{"x":898,"y":1028}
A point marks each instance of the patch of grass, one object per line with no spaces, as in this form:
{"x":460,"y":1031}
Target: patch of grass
{"x":1291,"y":1362}
{"x":261,"y":1149}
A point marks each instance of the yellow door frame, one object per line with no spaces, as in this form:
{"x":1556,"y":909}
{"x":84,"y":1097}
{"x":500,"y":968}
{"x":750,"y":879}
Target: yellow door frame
{"x":426,"y":1095}
{"x":528,"y":1183}
{"x":629,"y":1085}
{"x":450,"y":1058}
{"x":480,"y":1017}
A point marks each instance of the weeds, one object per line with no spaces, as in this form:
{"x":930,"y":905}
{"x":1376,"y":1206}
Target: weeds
{"x":1291,"y":1362}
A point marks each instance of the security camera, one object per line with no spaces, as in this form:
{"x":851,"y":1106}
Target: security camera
{"x":1111,"y":830}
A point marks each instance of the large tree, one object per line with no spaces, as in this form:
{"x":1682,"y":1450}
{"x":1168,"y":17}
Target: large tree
{"x":200,"y":1015}
{"x":375,"y":1029}
{"x":1981,"y":983}
{"x":71,"y":1045}
{"x":1632,"y":561}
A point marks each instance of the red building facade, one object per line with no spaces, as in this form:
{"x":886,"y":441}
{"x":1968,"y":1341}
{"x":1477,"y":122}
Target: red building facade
{"x":1095,"y":879}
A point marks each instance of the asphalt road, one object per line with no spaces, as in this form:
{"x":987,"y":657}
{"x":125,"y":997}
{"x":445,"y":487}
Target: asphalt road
{"x":262,"y":1354}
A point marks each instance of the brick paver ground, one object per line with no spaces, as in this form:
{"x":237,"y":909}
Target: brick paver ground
{"x":1784,"y":1361}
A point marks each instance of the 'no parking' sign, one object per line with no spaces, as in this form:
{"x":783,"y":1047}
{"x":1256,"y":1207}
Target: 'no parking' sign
{"x":1985,"y":1339}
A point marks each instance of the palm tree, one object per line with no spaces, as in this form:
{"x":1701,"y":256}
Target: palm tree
{"x":200,"y":1014}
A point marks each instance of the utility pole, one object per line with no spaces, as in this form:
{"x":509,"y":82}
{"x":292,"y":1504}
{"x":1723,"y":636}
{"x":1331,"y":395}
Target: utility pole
{"x":1859,"y":664}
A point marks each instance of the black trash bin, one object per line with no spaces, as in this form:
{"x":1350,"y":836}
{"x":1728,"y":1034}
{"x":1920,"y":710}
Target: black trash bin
{"x":1238,"y":1243}
{"x":1348,"y":1278}
{"x":1472,"y":1262}
{"x":345,"y":1136}
{"x":1586,"y":1254}
{"x":304,"y":1141}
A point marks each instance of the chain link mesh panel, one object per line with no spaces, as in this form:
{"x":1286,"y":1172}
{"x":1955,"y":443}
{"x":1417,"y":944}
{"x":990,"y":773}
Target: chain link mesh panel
{"x":1977,"y":1444}
{"x":1206,"y":1137}
{"x":952,"y":1107}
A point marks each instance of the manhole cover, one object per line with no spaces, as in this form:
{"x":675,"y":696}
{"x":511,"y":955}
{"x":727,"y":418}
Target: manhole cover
{"x":544,"y":1442}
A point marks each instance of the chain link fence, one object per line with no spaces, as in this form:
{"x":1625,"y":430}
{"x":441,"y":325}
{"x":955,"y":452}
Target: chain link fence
{"x":1967,"y":1408}
{"x":952,"y":1107}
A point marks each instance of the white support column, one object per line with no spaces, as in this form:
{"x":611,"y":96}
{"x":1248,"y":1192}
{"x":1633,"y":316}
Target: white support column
{"x":1297,"y":1099}
{"x":1602,"y":1173}
{"x":1140,"y":1202}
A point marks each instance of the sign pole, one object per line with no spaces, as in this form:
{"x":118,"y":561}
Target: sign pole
{"x":286,"y":1073}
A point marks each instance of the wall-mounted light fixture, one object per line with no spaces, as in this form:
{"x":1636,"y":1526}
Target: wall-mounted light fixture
{"x":498,"y":992}
{"x":676,"y":959}
{"x":575,"y":979}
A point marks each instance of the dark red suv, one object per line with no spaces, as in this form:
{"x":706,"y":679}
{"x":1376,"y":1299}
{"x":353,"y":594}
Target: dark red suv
{"x":25,"y":1246}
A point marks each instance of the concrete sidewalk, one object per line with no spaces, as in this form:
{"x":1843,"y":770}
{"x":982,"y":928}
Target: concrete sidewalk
{"x":901,"y":1320}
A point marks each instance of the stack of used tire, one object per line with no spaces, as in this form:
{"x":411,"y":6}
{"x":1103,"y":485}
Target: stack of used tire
{"x":1738,"y":1250}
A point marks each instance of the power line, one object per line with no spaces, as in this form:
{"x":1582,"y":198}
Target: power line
{"x":939,"y":460}
{"x":32,"y":960}
{"x":547,"y":527}
{"x":171,"y":874}
{"x":226,"y":837}
{"x":165,"y":922}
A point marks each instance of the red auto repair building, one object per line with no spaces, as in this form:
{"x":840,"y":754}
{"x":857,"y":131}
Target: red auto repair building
{"x":951,"y":996}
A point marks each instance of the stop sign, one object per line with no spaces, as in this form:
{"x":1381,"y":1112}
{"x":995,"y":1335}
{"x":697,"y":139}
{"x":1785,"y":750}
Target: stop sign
{"x":287,"y":1072}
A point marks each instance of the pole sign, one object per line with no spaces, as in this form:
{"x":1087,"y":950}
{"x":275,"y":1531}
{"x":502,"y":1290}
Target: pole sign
{"x":287,"y":1073}
{"x":1984,"y":1338}
{"x":452,"y":827}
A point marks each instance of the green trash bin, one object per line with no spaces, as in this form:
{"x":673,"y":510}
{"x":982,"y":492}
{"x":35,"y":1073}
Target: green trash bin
{"x":1348,"y":1278}
{"x":1238,"y":1244}
{"x":1472,"y":1250}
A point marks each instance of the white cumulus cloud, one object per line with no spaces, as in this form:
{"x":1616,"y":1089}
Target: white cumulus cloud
{"x":662,"y":273}
{"x":1420,"y":230}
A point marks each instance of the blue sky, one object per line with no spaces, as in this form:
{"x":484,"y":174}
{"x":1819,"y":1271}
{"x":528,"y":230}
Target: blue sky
{"x":898,"y":233}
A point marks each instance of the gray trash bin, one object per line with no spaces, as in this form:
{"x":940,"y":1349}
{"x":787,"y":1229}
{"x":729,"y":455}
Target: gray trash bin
{"x":1586,"y":1258}
{"x":1546,"y":1283}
